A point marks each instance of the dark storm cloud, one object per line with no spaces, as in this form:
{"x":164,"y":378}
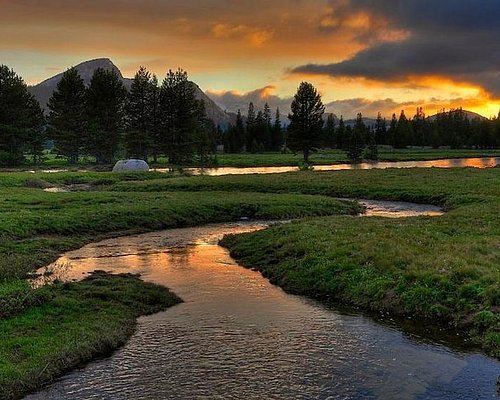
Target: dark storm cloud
{"x":457,"y":39}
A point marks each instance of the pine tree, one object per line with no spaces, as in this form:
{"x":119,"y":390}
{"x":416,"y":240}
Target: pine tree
{"x":267,"y":136}
{"x":21,"y":120}
{"x":306,"y":120}
{"x":105,"y":99}
{"x":250,"y":130}
{"x":403,"y":132}
{"x":261,"y":133}
{"x":140,"y":109}
{"x":277,"y":132}
{"x":67,"y":118}
{"x":155,"y":140}
{"x":356,"y":141}
{"x":341,"y":135}
{"x":391,"y":134}
{"x":380,"y":130}
{"x":419,"y":128}
{"x":204,"y":134}
{"x":240,"y":134}
{"x":371,"y":151}
{"x":179,"y":117}
{"x":36,"y":133}
{"x":329,"y":132}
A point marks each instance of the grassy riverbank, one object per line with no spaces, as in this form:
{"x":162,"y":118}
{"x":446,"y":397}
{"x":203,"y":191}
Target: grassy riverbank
{"x":444,"y":269}
{"x":70,"y":324}
{"x":49,"y":330}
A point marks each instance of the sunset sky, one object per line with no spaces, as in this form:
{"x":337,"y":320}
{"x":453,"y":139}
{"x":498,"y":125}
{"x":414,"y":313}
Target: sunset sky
{"x":363,"y":55}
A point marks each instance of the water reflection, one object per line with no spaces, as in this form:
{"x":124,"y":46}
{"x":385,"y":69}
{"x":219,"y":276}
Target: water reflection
{"x":238,"y":337}
{"x":398,"y":209}
{"x":488,"y":162}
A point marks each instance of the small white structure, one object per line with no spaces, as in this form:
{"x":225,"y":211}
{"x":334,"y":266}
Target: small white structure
{"x":131,"y":165}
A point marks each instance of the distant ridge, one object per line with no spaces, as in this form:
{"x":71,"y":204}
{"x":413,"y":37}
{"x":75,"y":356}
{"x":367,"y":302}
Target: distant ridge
{"x":43,"y":91}
{"x":469,"y":114}
{"x":373,"y":121}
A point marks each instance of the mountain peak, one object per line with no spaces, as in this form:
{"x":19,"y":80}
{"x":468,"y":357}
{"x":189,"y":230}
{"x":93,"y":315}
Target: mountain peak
{"x":86,"y":69}
{"x":91,"y":65}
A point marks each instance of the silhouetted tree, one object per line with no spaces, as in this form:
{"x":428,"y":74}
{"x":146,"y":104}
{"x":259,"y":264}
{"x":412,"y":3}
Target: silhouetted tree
{"x":234,"y":137}
{"x":371,"y":151}
{"x":403,"y":132}
{"x":250,"y":129}
{"x":105,"y":99}
{"x":21,"y":120}
{"x":391,"y":134}
{"x":341,"y":135}
{"x":277,"y":132}
{"x":180,"y":117}
{"x":420,"y":128}
{"x":328,"y":139}
{"x":380,"y":130}
{"x":36,"y":136}
{"x":67,"y":118}
{"x":140,"y":115}
{"x":266,"y":134}
{"x":306,"y":120}
{"x":356,"y":142}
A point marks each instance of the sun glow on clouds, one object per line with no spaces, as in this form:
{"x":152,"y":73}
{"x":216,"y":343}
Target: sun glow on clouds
{"x":255,"y":37}
{"x":379,"y":56}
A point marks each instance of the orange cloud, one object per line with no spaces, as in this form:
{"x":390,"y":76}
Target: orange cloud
{"x":255,"y":37}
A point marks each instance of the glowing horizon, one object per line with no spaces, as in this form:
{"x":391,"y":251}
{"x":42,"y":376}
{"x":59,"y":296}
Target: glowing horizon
{"x":360,"y":58}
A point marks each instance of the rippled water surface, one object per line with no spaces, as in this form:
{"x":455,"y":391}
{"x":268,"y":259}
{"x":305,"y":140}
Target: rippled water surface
{"x":238,"y":337}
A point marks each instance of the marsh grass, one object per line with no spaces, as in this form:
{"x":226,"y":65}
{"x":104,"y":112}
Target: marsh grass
{"x":76,"y":322}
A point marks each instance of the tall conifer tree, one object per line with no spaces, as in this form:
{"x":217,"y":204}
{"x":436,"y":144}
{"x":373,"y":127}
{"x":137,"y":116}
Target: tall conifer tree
{"x":179,"y":117}
{"x":21,"y":120}
{"x":105,"y":99}
{"x":140,"y":110}
{"x":306,"y":120}
{"x":67,"y":118}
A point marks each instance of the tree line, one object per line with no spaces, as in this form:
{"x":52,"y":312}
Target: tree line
{"x":454,"y":129}
{"x":258,"y":132}
{"x":103,"y":119}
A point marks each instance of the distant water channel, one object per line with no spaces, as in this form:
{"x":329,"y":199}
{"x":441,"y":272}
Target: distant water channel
{"x":236,"y":336}
{"x":487,"y":162}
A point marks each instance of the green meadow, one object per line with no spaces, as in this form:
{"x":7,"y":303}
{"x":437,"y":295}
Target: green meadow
{"x":47,"y":331}
{"x":434,"y":269}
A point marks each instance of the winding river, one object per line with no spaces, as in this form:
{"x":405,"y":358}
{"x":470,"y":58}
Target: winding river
{"x":236,"y":336}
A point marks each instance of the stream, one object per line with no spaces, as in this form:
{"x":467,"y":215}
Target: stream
{"x":236,"y":336}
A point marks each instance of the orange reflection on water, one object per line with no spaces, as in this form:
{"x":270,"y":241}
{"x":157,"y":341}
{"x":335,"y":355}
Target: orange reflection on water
{"x":487,"y":162}
{"x":149,"y":255}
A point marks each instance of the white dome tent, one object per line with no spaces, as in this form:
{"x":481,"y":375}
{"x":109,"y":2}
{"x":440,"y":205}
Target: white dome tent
{"x":132,"y":165}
